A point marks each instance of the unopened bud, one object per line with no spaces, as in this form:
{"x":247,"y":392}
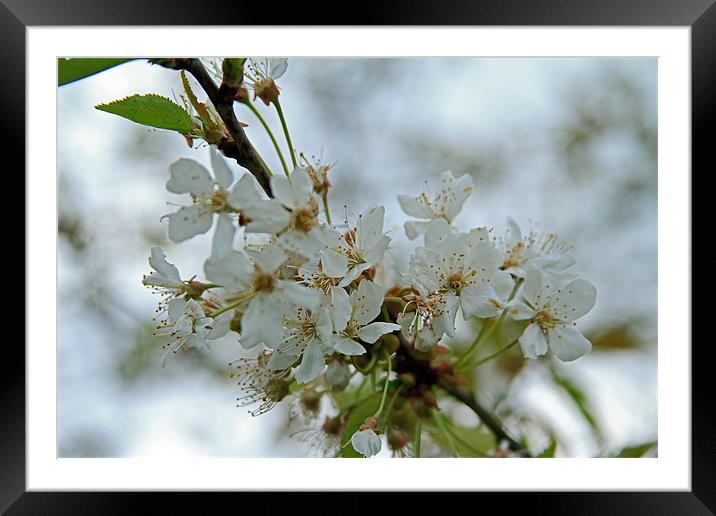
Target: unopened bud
{"x":391,"y":343}
{"x":369,"y":424}
{"x":397,"y":439}
{"x":338,"y":375}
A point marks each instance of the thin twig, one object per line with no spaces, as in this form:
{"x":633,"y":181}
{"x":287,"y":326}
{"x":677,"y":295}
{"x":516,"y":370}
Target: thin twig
{"x":239,"y":147}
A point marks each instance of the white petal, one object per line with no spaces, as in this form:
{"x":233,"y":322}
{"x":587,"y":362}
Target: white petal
{"x":339,"y":306}
{"x":335,"y":265}
{"x":188,"y":222}
{"x":261,"y":323}
{"x":277,"y":67}
{"x":520,"y":311}
{"x":267,"y":216}
{"x":269,"y":259}
{"x":479,"y":300}
{"x":232,"y":271}
{"x":366,"y":301}
{"x":366,"y":442}
{"x":244,"y":193}
{"x":415,"y":228}
{"x":353,"y":274}
{"x":312,"y":363}
{"x":280,"y":361}
{"x":568,"y":343}
{"x":188,"y":176}
{"x":301,"y":242}
{"x":372,"y":332}
{"x":573,"y":300}
{"x":445,"y":322}
{"x":435,"y":231}
{"x":168,"y":271}
{"x":347,"y":346}
{"x":415,"y":206}
{"x":176,"y":308}
{"x":515,"y":234}
{"x":369,"y":227}
{"x":454,"y":192}
{"x":220,"y":326}
{"x":223,"y":243}
{"x":537,"y":289}
{"x":533,"y":342}
{"x":223,"y":174}
{"x":300,"y":295}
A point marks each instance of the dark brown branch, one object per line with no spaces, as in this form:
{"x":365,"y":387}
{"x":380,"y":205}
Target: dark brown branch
{"x":238,"y":147}
{"x":485,"y":416}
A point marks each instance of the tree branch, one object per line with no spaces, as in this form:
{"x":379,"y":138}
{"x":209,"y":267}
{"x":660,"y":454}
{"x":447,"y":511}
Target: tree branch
{"x":238,"y":147}
{"x":485,"y":416}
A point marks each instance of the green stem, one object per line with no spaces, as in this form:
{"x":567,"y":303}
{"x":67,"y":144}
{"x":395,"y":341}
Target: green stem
{"x":270,"y":133}
{"x":231,"y":306}
{"x":385,"y":388}
{"x":496,"y":353}
{"x":418,"y":437}
{"x":325,"y":207}
{"x":277,"y":104}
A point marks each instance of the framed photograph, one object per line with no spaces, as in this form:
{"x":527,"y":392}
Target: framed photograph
{"x":452,"y":245}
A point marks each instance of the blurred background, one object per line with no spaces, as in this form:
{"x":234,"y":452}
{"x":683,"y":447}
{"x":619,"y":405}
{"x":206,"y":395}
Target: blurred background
{"x":568,"y":145}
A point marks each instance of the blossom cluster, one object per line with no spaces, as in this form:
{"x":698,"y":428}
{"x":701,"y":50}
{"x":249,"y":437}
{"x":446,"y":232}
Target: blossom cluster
{"x":282,"y":278}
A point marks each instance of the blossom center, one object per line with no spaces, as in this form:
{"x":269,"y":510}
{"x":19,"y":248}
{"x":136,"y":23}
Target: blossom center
{"x":263,"y":282}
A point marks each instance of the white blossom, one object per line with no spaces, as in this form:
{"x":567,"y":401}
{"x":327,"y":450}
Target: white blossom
{"x":353,"y":315}
{"x":268,"y":295}
{"x":363,"y":246}
{"x":292,"y":214}
{"x":258,"y":384}
{"x":307,"y":334}
{"x":189,"y":326}
{"x":466,"y":266}
{"x":445,"y":204}
{"x":261,"y":75}
{"x":542,"y":250}
{"x":209,"y":195}
{"x":551,"y":310}
{"x":428,"y":317}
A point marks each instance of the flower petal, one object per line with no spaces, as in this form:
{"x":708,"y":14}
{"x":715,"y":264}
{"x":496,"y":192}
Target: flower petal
{"x":415,"y":206}
{"x":366,"y":442}
{"x":573,"y":300}
{"x":479,"y":300}
{"x":277,"y":67}
{"x":347,"y":346}
{"x":244,"y":193}
{"x":189,"y":176}
{"x":366,"y":301}
{"x":269,"y":259}
{"x":339,"y":307}
{"x":169,"y":272}
{"x":568,"y":343}
{"x":312,"y":363}
{"x":188,"y":222}
{"x":533,"y":342}
{"x":267,"y":216}
{"x":223,"y":242}
{"x":232,"y":271}
{"x":223,"y":174}
{"x":372,"y":332}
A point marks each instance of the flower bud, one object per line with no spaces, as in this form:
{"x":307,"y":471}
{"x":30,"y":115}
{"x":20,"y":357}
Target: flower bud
{"x":397,"y":439}
{"x":391,"y":343}
{"x":310,"y":400}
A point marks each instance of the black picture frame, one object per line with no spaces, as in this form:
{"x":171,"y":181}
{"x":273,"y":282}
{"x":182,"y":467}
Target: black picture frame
{"x":700,"y":15}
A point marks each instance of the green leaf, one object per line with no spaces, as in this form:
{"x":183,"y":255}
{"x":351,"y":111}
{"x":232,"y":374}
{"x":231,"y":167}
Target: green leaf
{"x":152,"y":110}
{"x":467,"y":442}
{"x":548,"y":452}
{"x":71,"y":70}
{"x":364,"y":409}
{"x":634,"y":452}
{"x":579,"y":399}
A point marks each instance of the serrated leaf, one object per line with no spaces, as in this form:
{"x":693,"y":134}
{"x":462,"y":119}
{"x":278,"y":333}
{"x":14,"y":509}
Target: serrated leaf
{"x":151,"y":110}
{"x":634,"y":452}
{"x":74,"y":69}
{"x":363,"y":410}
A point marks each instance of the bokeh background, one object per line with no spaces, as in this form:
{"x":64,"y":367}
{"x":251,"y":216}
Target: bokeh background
{"x":567,"y":144}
